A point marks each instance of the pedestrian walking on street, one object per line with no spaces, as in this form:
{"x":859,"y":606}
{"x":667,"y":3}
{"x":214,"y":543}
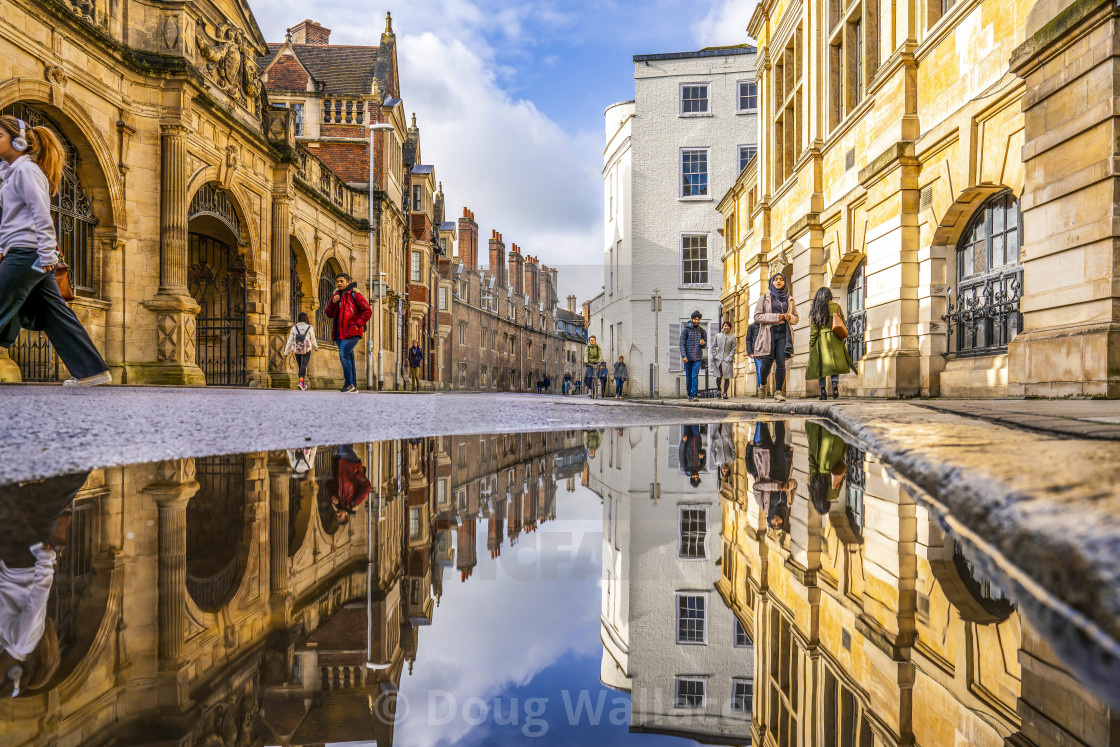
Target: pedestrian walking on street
{"x":348,"y":486}
{"x":592,"y":357}
{"x":566,"y":386}
{"x":694,"y":341}
{"x":349,"y":312}
{"x":752,"y":336}
{"x":30,"y":170}
{"x":775,"y":312}
{"x":723,"y":358}
{"x":691,"y":454}
{"x":828,"y":355}
{"x":827,"y":468}
{"x":602,"y":378}
{"x":415,"y":358}
{"x":774,"y":486}
{"x":301,"y":341}
{"x":621,"y":374}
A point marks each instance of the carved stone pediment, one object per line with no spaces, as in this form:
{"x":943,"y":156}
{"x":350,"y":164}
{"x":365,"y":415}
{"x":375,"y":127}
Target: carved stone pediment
{"x":228,"y":59}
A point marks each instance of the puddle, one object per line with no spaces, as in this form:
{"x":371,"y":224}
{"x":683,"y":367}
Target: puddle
{"x":733,"y":583}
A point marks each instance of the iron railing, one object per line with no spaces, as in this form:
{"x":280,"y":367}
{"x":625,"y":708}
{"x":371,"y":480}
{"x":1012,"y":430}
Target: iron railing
{"x":984,"y":316}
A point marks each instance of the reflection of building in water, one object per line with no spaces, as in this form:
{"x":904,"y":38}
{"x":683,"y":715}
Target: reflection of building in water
{"x":871,"y":627}
{"x":227,"y":598}
{"x":667,"y":636}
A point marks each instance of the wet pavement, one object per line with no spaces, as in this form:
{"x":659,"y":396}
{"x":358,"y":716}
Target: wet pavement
{"x":753,"y":580}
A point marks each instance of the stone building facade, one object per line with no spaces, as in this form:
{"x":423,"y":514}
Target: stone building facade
{"x":931,"y":168}
{"x":196,"y":220}
{"x":501,"y":321}
{"x":670,"y":154}
{"x":872,"y":626}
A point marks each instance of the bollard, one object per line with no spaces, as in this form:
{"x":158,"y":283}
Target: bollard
{"x":651,"y":392}
{"x":678,"y":387}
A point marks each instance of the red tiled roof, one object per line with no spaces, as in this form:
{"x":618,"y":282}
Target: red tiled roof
{"x":343,"y":70}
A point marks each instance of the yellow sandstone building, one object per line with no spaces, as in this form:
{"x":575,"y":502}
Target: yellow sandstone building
{"x":947,"y":168}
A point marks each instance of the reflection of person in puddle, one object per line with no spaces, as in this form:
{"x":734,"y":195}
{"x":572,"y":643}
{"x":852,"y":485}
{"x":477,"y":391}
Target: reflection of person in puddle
{"x":348,"y":485}
{"x":33,"y":525}
{"x":723,"y":447}
{"x":826,"y":466}
{"x":691,"y":454}
{"x":773,"y":487}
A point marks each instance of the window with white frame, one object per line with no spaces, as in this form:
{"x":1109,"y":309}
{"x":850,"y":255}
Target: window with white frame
{"x":694,"y":260}
{"x":746,"y":153}
{"x":442,"y":298}
{"x":416,"y":260}
{"x":414,"y":522}
{"x":297,"y":118}
{"x":742,"y":691}
{"x":694,"y":172}
{"x":742,"y":640}
{"x":694,"y":98}
{"x":748,"y":96}
{"x":462,"y":333}
{"x":693,"y":531}
{"x":690,"y":692}
{"x":691,"y":618}
{"x":443,"y":245}
{"x":417,"y":197}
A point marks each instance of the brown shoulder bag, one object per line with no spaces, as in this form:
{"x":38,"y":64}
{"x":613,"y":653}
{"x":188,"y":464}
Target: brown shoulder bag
{"x":62,"y":277}
{"x":838,"y":327}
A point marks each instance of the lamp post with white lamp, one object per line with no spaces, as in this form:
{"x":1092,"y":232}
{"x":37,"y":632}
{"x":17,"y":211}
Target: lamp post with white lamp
{"x":376,"y":284}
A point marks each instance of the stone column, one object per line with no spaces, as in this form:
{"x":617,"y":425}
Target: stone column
{"x":279,"y":480}
{"x":9,"y":371}
{"x":174,"y":309}
{"x":1070,"y":343}
{"x":172,"y":490}
{"x":173,"y":211}
{"x":280,"y":374}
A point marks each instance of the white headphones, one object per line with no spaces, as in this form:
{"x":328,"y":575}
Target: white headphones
{"x":20,"y":143}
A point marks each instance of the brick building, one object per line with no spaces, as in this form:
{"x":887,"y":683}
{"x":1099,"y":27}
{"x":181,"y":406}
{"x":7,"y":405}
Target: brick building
{"x":500,"y":321}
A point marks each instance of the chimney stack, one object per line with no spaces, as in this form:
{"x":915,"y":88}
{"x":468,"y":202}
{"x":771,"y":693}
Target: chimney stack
{"x":515,"y":264}
{"x":309,"y":32}
{"x":497,"y":258}
{"x":468,"y":240}
{"x":572,"y":304}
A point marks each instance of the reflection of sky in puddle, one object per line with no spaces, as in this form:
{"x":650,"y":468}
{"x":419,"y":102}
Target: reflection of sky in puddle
{"x":514,"y":652}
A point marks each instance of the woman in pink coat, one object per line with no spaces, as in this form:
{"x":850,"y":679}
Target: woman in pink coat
{"x":774,"y":312}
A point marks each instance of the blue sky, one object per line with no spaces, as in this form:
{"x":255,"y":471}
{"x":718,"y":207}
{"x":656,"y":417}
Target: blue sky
{"x":509,"y":96}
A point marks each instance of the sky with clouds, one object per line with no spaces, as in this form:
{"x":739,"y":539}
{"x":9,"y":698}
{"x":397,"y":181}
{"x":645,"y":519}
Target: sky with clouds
{"x":509,"y":96}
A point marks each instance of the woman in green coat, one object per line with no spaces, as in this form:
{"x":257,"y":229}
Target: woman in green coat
{"x":828,"y":355}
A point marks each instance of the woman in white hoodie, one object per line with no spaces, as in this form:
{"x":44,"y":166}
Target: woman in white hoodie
{"x":301,"y":341}
{"x":33,"y":522}
{"x":30,"y":170}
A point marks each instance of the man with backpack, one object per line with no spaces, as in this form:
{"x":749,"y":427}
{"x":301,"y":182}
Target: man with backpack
{"x":415,"y":358}
{"x":349,"y":311}
{"x":301,"y":341}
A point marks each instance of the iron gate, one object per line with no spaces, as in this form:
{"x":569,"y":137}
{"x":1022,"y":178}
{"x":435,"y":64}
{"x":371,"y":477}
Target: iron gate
{"x":216,"y":279}
{"x":215,"y":531}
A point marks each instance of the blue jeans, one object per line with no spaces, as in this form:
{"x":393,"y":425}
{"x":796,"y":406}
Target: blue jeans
{"x":758,"y":374}
{"x":692,"y":375}
{"x":346,"y":355}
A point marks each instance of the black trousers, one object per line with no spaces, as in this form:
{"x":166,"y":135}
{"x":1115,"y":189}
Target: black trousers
{"x":777,"y":357}
{"x":302,"y":359}
{"x":30,"y":298}
{"x":29,"y":512}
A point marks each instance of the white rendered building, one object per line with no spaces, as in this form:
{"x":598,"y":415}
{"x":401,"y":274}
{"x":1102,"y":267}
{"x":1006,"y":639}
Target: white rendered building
{"x":671,"y":153}
{"x":667,"y":635}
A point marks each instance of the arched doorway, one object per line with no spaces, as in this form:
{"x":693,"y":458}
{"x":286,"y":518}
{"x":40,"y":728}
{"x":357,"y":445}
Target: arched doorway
{"x":327,"y":277}
{"x":74,"y":223}
{"x":216,"y":278}
{"x":983,"y":314}
{"x":216,"y":525}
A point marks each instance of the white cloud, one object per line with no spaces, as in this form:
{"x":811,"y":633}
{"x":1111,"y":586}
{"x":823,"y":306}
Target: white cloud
{"x":725,"y":23}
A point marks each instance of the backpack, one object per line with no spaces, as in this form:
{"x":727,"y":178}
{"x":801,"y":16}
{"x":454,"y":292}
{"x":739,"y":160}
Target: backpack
{"x":302,"y":345}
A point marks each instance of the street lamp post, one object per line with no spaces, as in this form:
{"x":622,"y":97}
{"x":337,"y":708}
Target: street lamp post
{"x":374,"y":272}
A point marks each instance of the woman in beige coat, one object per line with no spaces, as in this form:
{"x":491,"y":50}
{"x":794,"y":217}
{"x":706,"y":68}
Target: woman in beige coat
{"x":774,"y":312}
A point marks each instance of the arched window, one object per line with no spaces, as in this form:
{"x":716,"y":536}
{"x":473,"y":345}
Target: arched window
{"x":326,"y":290}
{"x":984,"y":312}
{"x":857,"y":312}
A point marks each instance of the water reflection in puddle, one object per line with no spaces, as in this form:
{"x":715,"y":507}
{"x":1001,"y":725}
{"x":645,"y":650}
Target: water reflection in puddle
{"x":731,"y":583}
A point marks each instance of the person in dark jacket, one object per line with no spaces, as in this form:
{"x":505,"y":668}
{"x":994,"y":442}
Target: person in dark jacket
{"x":566,"y":387}
{"x":691,"y":454}
{"x":620,"y":376}
{"x":694,"y":343}
{"x":349,"y":312}
{"x":752,"y":335}
{"x":415,"y":358}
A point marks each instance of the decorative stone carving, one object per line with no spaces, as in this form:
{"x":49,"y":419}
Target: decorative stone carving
{"x":276,"y":348}
{"x":171,"y":32}
{"x":230,"y":61}
{"x":56,"y":76}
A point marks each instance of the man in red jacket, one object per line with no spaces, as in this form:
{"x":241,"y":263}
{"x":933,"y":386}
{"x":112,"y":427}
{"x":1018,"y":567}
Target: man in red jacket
{"x":349,"y":312}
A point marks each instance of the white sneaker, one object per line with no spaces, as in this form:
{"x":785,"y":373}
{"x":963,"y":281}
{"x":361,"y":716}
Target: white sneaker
{"x":779,"y":396}
{"x":96,"y":380}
